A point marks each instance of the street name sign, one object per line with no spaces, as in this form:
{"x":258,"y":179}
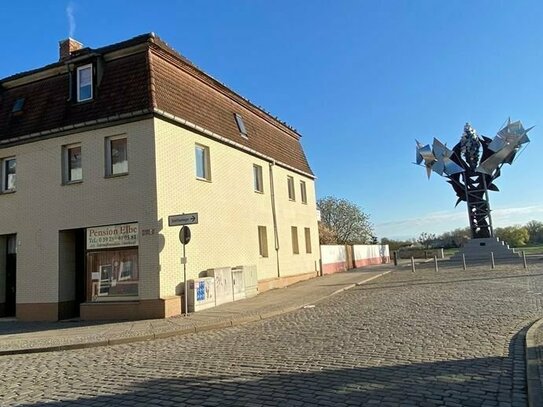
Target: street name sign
{"x":183,"y":219}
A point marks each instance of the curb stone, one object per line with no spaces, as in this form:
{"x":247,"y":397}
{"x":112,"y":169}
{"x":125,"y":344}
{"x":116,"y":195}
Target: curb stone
{"x":533,"y":377}
{"x":185,"y":331}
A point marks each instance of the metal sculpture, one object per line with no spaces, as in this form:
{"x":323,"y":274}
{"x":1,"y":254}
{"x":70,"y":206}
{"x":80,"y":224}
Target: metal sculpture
{"x":472,"y":166}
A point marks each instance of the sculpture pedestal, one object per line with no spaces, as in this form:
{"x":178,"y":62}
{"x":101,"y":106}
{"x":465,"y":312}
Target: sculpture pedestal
{"x":480,"y":249}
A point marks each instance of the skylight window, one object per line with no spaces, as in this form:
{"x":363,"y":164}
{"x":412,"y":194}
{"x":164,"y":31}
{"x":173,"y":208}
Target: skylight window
{"x":241,"y":125}
{"x":18,"y":105}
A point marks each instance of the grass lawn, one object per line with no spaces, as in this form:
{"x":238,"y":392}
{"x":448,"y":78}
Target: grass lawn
{"x":534,"y":249}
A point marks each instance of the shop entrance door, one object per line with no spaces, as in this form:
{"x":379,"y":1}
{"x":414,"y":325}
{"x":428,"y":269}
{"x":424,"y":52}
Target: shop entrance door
{"x":11,"y":275}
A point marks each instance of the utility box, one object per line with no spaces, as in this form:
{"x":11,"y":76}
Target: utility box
{"x":250,"y":280}
{"x":238,"y":284}
{"x":201,"y":294}
{"x":223,"y":284}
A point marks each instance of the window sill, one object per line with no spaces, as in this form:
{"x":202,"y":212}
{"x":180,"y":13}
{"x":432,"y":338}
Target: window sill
{"x":203,"y":179}
{"x":124,"y":174}
{"x":259,"y":192}
{"x":82,"y":102}
{"x":292,"y":200}
{"x":80,"y":181}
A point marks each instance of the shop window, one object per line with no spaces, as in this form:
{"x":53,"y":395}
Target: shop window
{"x":116,"y":156}
{"x":84,"y":83}
{"x":257,"y":178}
{"x":112,"y":274}
{"x":73,"y":171}
{"x":9,"y":174}
{"x":263,"y":241}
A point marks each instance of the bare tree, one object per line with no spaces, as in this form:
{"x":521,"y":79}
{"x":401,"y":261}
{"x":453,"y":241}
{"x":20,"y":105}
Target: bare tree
{"x":345,"y":220}
{"x":426,"y":239}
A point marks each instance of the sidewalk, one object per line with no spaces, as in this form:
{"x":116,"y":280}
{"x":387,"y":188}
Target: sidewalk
{"x":26,"y":337}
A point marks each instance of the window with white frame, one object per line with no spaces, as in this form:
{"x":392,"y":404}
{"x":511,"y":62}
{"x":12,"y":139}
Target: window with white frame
{"x":290,"y":185}
{"x":203,"y":168}
{"x":116,"y":155}
{"x":73,"y":170}
{"x":303,"y":192}
{"x":257,"y":178}
{"x":263,"y":241}
{"x":9,"y":174}
{"x":84,"y":83}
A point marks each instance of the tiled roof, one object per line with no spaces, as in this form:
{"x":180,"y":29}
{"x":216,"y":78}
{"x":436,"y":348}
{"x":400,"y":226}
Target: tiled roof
{"x":154,"y":78}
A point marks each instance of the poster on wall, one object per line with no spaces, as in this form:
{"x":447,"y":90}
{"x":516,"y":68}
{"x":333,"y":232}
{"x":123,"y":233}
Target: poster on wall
{"x":106,"y":237}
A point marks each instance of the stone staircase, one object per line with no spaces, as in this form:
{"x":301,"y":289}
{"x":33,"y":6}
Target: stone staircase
{"x":480,"y":249}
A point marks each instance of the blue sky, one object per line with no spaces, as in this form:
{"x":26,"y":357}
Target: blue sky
{"x":359,"y":79}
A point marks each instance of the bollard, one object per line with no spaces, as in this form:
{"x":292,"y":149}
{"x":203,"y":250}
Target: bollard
{"x":395,"y":253}
{"x":524,"y":259}
{"x":492,"y":260}
{"x":464,"y":261}
{"x":412,"y":264}
{"x":435,"y":264}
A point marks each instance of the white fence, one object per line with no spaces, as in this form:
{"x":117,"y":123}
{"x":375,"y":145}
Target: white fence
{"x":337,"y":258}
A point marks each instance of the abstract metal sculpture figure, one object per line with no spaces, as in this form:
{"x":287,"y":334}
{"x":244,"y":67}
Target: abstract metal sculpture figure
{"x":472,"y":172}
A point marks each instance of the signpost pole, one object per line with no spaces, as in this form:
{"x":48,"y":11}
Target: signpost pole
{"x":185,"y":280}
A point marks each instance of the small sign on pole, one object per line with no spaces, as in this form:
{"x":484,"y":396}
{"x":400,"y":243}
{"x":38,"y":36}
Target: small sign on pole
{"x":184,"y":237}
{"x":183,"y":219}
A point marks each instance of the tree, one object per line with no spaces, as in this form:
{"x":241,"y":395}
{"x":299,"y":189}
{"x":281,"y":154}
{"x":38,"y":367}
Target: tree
{"x":426,"y":239}
{"x":455,"y":238}
{"x":395,"y":244}
{"x":535,"y":230}
{"x":345,"y":220}
{"x":514,"y":236}
{"x":326,"y":236}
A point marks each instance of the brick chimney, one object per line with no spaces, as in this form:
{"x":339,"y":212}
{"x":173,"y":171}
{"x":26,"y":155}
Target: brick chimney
{"x":66,"y":47}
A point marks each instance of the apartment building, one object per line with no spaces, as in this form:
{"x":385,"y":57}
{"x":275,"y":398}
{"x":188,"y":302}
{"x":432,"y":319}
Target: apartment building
{"x":98,"y":149}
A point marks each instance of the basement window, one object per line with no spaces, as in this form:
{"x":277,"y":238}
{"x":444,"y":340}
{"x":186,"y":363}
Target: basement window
{"x":241,"y":125}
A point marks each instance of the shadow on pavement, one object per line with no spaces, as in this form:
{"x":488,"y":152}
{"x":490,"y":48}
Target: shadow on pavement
{"x":469,"y":382}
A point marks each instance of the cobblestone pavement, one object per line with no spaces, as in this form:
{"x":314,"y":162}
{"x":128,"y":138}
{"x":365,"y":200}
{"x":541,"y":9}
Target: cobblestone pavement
{"x":407,"y":339}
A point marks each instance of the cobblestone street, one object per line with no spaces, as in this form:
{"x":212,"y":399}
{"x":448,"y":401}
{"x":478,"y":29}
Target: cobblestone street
{"x":451,"y":338}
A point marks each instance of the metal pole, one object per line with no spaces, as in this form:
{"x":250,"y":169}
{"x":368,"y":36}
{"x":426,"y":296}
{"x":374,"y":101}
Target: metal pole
{"x":186,"y":285}
{"x":464,"y":261}
{"x":524,"y":259}
{"x":492,"y":259}
{"x":412,"y":264}
{"x":435,"y":263}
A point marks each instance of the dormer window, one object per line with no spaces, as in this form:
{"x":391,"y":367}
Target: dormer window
{"x":84,"y":83}
{"x":241,"y":125}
